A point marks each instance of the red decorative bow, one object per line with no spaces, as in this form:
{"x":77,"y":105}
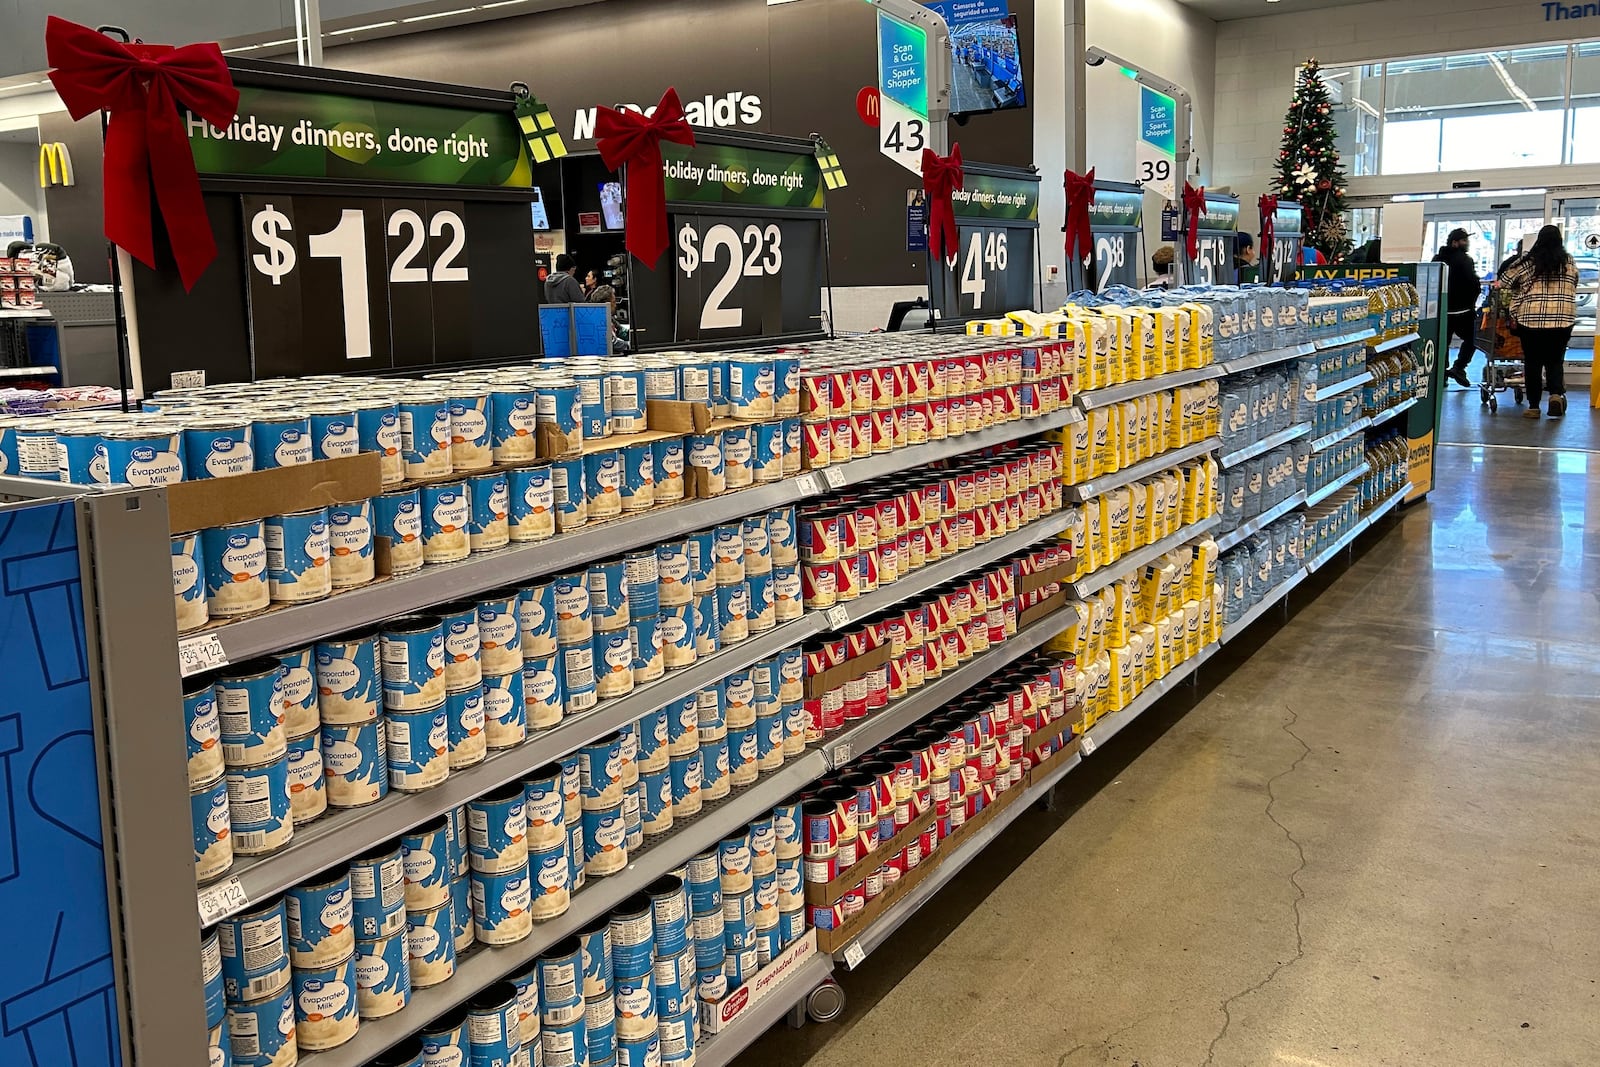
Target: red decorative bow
{"x":635,"y":139}
{"x":1080,"y":190}
{"x":941,"y":176}
{"x":142,"y":87}
{"x":1269,"y":219}
{"x":1194,"y":205}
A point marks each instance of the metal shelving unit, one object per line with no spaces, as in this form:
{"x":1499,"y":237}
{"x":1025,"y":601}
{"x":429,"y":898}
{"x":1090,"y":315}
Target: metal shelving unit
{"x":1346,"y":339}
{"x":1396,"y":342}
{"x":1336,"y":436}
{"x":1322,"y":558}
{"x":29,"y":372}
{"x":1267,"y":359}
{"x":1112,"y":724}
{"x":1388,"y":413}
{"x":1339,"y":388}
{"x":1281,"y":590}
{"x":1266,"y":444}
{"x":1318,"y":496}
{"x":483,"y":965}
{"x":1260,"y":522}
{"x":1116,"y":394}
{"x":1143,"y":469}
{"x":719,"y":1050}
{"x":890,"y":921}
{"x":923,"y":702}
{"x":1101,"y":577}
{"x":275,"y":630}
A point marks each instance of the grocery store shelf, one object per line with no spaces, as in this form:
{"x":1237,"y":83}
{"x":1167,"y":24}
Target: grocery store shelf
{"x":1260,"y":522}
{"x":1116,"y":394}
{"x":1112,"y":724}
{"x":1266,"y":359}
{"x":1279,"y":591}
{"x":287,"y":627}
{"x":483,"y":965}
{"x":936,"y":574}
{"x":721,"y":1049}
{"x":339,"y":835}
{"x":1388,"y":413}
{"x":1339,"y":388}
{"x":920,"y":703}
{"x":29,"y":372}
{"x":1143,"y":469}
{"x":1356,"y":531}
{"x":1266,"y":444}
{"x":1319,"y":495}
{"x":950,"y":866}
{"x":1101,"y":577}
{"x":1328,"y":440}
{"x":1346,"y":339}
{"x":1395,"y":342}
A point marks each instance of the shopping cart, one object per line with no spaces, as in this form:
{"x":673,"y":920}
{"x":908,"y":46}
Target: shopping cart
{"x":1502,"y":351}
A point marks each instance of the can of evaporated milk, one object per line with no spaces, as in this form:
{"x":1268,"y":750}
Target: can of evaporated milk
{"x":638,"y":478}
{"x":500,"y":905}
{"x":378,"y":430}
{"x":445,"y":1042}
{"x":216,"y":448}
{"x":488,"y":524}
{"x":143,"y":456}
{"x":532,"y":503}
{"x":255,"y":952}
{"x":425,"y":434}
{"x":738,"y":457}
{"x":347,"y":678}
{"x":571,"y":496}
{"x":188,"y":582}
{"x":602,"y":480}
{"x":325,"y":1004}
{"x":298,"y":553}
{"x":687,"y":782}
{"x":399,"y":528}
{"x":470,"y":444}
{"x":202,"y":729}
{"x":300,"y":711}
{"x":235,"y":558}
{"x":497,"y":830}
{"x":259,"y":812}
{"x":461,"y":912}
{"x":550,"y":874}
{"x":425,"y":859}
{"x":377,"y":885}
{"x":213,"y":842}
{"x":577,"y":672}
{"x":500,"y":631}
{"x":462,"y":645}
{"x":446,"y":510}
{"x":354,"y":764}
{"x":610,"y":594}
{"x":505,"y":715}
{"x":604,"y":840}
{"x":413,"y":652}
{"x":539,"y":620}
{"x":667,"y":461}
{"x":280,"y":439}
{"x":263,"y":1030}
{"x":649,"y":662}
{"x":514,"y":416}
{"x":383,"y":975}
{"x":468,"y":739}
{"x":431,"y":944}
{"x":308,"y":793}
{"x":350,"y":543}
{"x":543,"y":696}
{"x":574,"y":619}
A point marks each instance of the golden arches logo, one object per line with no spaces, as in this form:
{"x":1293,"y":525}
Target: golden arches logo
{"x":55,"y":165}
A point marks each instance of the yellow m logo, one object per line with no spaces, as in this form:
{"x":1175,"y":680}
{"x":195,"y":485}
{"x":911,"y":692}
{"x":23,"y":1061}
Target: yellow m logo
{"x":55,"y":165}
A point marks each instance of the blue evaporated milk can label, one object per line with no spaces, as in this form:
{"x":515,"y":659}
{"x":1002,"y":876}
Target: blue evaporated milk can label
{"x":513,"y":423}
{"x":538,"y":620}
{"x":334,"y":433}
{"x":532,"y":502}
{"x":140,"y":457}
{"x":638,"y":478}
{"x":254,"y":949}
{"x":383,"y":975}
{"x":348,"y":688}
{"x":350,"y":542}
{"x":209,"y":815}
{"x":188,"y":582}
{"x":419,"y":749}
{"x":250,"y":708}
{"x":280,"y":441}
{"x":298,"y":554}
{"x":81,"y":455}
{"x":609,"y":594}
{"x":543,"y":692}
{"x":354,"y":764}
{"x":325,"y":1005}
{"x":263,"y":1031}
{"x":321,"y":921}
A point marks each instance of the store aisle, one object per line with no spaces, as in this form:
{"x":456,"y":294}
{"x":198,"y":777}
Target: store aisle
{"x":1371,"y":843}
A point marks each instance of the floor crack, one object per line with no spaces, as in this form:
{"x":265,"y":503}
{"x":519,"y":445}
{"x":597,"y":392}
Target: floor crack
{"x":1105,"y":1042}
{"x":1294,"y":880}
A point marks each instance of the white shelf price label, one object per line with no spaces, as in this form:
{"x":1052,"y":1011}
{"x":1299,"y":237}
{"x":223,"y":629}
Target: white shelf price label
{"x":841,"y":754}
{"x":854,"y":954}
{"x":1088,"y":744}
{"x":835,"y":477}
{"x":837,"y":617}
{"x":200,"y":652}
{"x":221,"y":899}
{"x":807,"y":485}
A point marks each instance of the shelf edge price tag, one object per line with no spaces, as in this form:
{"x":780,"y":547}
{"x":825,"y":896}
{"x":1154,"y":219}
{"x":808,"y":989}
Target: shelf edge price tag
{"x":837,"y":617}
{"x":1088,"y":745}
{"x":840,"y":755}
{"x":200,"y":652}
{"x":221,"y":899}
{"x":854,"y":954}
{"x":835,"y":477}
{"x":807,"y":485}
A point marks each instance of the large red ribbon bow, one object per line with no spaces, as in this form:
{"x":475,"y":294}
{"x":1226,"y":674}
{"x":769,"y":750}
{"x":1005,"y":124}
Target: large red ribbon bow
{"x":1080,"y":238}
{"x":1194,"y":206}
{"x":632,"y":138}
{"x":142,"y":87}
{"x":1269,"y":220}
{"x":942,"y":176}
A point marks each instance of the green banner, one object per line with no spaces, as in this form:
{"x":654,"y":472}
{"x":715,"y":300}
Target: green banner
{"x":984,"y":196}
{"x":285,"y":134}
{"x":733,"y":174}
{"x":1220,"y":214}
{"x":1116,"y":207}
{"x":1286,"y":220}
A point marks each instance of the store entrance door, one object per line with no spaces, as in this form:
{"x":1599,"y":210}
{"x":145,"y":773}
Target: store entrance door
{"x":1492,"y":234}
{"x":1577,"y":212}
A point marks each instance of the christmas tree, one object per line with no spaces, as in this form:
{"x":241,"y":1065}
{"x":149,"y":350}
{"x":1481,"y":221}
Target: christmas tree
{"x":1308,"y":164}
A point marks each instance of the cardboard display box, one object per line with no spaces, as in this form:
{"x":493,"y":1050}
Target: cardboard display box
{"x":830,"y":892}
{"x":848,"y":671}
{"x":211,"y":502}
{"x":1049,"y":732}
{"x":717,"y":1016}
{"x":1055,"y":602}
{"x":1044,"y":770}
{"x":1062,"y":572}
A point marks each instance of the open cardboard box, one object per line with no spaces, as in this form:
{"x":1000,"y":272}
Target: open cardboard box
{"x":829,"y":892}
{"x":1044,"y":770}
{"x":1055,"y":602}
{"x":212,"y":502}
{"x":717,"y":1016}
{"x":1062,"y":572}
{"x":848,"y":671}
{"x":1048,"y":732}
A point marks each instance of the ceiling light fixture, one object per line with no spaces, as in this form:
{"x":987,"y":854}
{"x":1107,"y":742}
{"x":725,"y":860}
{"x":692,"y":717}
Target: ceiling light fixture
{"x":440,"y":14}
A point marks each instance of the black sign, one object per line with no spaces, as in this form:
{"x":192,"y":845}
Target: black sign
{"x":747,"y":260}
{"x":1116,"y":223}
{"x":732,"y":277}
{"x":323,"y":268}
{"x":1285,"y":252}
{"x":1219,"y":224}
{"x":997,"y":228}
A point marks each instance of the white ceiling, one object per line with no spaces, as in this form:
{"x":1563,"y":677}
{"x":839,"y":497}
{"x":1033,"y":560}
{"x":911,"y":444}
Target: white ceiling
{"x":1224,"y":10}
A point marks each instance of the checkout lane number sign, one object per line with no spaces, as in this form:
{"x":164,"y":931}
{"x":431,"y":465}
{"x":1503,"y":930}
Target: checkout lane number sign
{"x":1155,"y":154}
{"x":903,"y":91}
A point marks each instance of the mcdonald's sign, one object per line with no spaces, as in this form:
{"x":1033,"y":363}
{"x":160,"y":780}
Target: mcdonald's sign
{"x":55,"y":165}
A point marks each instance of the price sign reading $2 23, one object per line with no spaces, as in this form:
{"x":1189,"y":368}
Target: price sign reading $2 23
{"x":729,"y":255}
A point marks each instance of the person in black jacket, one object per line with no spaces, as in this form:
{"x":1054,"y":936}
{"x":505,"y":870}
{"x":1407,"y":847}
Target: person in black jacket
{"x":1462,"y":316}
{"x":562,"y":287}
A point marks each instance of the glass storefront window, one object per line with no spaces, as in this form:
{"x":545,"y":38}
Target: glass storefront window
{"x":1583,"y":137}
{"x":1357,"y":95}
{"x":1478,"y":110}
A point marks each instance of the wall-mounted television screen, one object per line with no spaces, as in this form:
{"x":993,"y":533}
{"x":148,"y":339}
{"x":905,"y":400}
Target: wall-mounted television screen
{"x":986,"y":63}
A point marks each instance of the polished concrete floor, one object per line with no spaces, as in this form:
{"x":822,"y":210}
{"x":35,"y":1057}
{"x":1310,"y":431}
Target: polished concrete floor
{"x":1368,"y":837}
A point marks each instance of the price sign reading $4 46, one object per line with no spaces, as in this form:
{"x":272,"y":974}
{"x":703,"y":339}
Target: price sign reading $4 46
{"x":729,"y":255}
